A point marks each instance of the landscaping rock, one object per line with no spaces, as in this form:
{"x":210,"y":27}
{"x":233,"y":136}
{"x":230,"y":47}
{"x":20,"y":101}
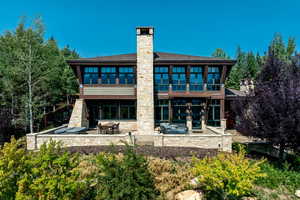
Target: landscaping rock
{"x":189,"y":195}
{"x":249,"y":198}
{"x":297,"y":193}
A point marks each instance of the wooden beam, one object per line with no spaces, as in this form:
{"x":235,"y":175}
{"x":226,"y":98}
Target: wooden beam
{"x":224,"y":72}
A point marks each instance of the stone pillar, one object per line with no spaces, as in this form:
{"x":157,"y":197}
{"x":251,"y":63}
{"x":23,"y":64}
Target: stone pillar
{"x":203,"y":125}
{"x":79,"y":115}
{"x":189,"y":123}
{"x":223,"y":124}
{"x":145,"y":90}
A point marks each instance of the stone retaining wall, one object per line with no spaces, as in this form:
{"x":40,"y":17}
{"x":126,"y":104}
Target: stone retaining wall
{"x":221,"y":142}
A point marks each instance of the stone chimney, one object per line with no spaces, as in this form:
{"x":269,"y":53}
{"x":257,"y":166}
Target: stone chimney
{"x":145,"y":96}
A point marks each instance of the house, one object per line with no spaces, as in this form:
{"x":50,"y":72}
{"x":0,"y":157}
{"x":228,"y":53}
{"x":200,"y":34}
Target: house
{"x":146,"y":88}
{"x":143,"y":89}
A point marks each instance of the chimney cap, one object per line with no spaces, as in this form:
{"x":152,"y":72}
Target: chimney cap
{"x":144,"y":30}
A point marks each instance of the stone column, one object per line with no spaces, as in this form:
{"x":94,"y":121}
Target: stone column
{"x":79,"y":115}
{"x":145,"y":90}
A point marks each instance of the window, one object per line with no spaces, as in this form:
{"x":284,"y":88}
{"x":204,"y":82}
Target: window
{"x":90,"y":75}
{"x":161,"y":111}
{"x":178,"y":79}
{"x":214,"y":113}
{"x":126,"y":75}
{"x":161,"y":79}
{"x":110,"y":111}
{"x":196,"y":79}
{"x":108,"y":75}
{"x":213,"y":78}
{"x":179,"y":110}
{"x":118,"y":110}
{"x":127,"y":110}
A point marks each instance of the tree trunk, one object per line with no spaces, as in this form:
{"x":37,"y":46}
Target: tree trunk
{"x":30,"y":92}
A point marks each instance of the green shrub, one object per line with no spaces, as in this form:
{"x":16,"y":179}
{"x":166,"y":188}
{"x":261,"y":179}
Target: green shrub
{"x":124,"y":178}
{"x":170,"y":177}
{"x":50,"y":175}
{"x":12,"y":167}
{"x":228,"y":175}
{"x":277,"y":177}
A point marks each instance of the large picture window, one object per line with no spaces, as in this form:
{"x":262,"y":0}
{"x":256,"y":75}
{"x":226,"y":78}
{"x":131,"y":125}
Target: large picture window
{"x":108,"y":75}
{"x":214,"y":113}
{"x":213,"y":78}
{"x":90,"y":75}
{"x":120,"y":110}
{"x":161,"y":111}
{"x":178,"y":79}
{"x":196,"y":78}
{"x":161,"y":79}
{"x":126,"y":75}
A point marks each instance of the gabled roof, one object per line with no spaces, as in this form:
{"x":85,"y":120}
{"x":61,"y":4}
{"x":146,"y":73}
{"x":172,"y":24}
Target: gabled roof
{"x":234,"y":93}
{"x":159,"y":57}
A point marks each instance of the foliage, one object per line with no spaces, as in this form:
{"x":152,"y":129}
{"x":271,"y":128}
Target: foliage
{"x":278,"y":177}
{"x":125,"y":178}
{"x":12,"y":167}
{"x":33,"y":74}
{"x":271,"y":110}
{"x":247,"y":66}
{"x":50,"y":175}
{"x":228,"y":175}
{"x":220,"y":53}
{"x":169,"y":177}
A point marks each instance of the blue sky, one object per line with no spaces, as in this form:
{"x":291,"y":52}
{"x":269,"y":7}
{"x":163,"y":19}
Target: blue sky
{"x":196,"y":27}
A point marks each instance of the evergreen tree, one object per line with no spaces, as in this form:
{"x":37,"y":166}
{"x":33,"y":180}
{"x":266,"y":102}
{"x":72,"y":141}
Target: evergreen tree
{"x":220,"y":53}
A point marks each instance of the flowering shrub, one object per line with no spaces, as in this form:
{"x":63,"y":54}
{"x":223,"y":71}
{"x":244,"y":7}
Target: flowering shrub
{"x":228,"y":175}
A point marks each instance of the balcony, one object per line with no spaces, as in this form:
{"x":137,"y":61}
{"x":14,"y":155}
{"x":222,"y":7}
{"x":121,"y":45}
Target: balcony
{"x":188,"y":88}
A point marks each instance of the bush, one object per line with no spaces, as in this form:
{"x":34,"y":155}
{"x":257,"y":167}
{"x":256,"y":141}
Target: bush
{"x":170,"y":177}
{"x":12,"y":167}
{"x":50,"y":175}
{"x":229,"y":176}
{"x":277,"y":177}
{"x":124,"y":178}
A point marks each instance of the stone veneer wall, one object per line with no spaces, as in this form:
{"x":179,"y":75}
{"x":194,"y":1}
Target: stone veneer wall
{"x":221,"y":142}
{"x":145,"y":93}
{"x":79,"y":115}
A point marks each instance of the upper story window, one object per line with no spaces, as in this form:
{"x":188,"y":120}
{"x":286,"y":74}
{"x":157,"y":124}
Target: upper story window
{"x":108,"y":75}
{"x":90,"y":75}
{"x":213,"y":78}
{"x":161,"y":78}
{"x":179,"y":78}
{"x":126,"y":75}
{"x":196,"y":78}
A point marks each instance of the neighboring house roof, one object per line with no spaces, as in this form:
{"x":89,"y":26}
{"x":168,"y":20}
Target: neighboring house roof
{"x":234,"y":93}
{"x":159,"y":57}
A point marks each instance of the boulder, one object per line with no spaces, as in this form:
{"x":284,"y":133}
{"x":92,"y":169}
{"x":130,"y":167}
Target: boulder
{"x":189,"y":195}
{"x":297,"y":193}
{"x":249,"y":198}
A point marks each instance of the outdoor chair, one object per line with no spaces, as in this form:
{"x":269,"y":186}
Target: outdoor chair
{"x":115,"y":128}
{"x":168,"y":128}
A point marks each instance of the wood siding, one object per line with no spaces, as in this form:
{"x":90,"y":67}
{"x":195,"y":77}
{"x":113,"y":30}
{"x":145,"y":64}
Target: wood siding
{"x":111,"y":91}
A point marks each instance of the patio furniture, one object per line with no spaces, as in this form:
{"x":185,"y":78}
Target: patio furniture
{"x":70,"y":130}
{"x":109,"y":127}
{"x":168,"y":128}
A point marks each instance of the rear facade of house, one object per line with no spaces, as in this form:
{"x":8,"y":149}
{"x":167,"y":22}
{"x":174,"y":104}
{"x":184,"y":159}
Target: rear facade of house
{"x":146,"y":88}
